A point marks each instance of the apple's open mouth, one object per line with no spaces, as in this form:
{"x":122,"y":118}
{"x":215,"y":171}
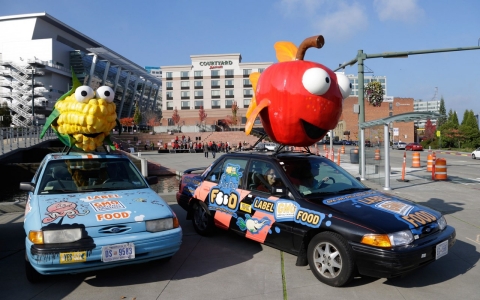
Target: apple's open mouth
{"x":312,"y":131}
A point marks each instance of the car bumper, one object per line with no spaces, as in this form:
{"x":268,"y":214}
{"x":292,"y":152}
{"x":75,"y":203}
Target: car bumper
{"x":183,"y":200}
{"x":148,"y":246}
{"x":382,"y":263}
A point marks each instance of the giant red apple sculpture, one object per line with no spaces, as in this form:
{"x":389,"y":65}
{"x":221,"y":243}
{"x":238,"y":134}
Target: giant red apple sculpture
{"x":298,"y":101}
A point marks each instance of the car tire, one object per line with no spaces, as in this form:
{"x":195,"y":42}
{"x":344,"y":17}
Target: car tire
{"x":330,"y":259}
{"x":473,"y":156}
{"x":202,"y":219}
{"x":32,"y":275}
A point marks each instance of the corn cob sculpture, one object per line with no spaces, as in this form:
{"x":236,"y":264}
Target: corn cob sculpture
{"x":83,"y":118}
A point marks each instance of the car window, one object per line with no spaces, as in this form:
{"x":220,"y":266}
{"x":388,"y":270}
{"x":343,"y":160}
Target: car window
{"x":262,"y":176}
{"x":66,"y":176}
{"x":233,"y":167}
{"x":314,"y":176}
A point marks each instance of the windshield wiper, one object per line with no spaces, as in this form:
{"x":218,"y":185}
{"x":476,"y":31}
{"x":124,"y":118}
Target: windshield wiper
{"x":345,"y":191}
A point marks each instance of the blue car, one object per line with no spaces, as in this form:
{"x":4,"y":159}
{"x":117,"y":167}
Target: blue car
{"x":94,"y":211}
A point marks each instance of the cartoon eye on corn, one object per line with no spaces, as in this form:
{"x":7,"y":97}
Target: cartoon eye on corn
{"x":83,"y":118}
{"x":298,"y":101}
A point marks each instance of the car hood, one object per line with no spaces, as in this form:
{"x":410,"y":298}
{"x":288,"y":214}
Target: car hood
{"x":385,"y":213}
{"x":100,"y":208}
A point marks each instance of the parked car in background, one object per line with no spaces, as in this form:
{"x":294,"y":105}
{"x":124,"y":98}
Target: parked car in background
{"x":309,"y":206}
{"x":347,"y":142}
{"x":476,"y":153}
{"x":368,"y":144}
{"x":92,"y":211}
{"x":266,"y":147}
{"x":399,"y":145}
{"x":413,"y":147}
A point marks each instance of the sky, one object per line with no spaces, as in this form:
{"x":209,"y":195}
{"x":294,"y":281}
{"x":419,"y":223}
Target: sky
{"x":166,"y":33}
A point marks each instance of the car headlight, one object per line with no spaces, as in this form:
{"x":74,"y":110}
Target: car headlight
{"x":442,"y":223}
{"x":388,"y":240}
{"x":162,"y":224}
{"x":55,"y":236}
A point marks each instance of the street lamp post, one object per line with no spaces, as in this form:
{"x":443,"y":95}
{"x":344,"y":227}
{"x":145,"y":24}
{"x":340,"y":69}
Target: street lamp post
{"x":33,"y":97}
{"x":361,"y":56}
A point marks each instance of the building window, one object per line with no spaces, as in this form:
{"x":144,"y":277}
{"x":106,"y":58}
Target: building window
{"x":215,"y":83}
{"x":390,"y":114}
{"x":247,"y":72}
{"x":229,"y":93}
{"x":184,"y":75}
{"x":198,"y":74}
{"x":247,"y":83}
{"x":247,"y":93}
{"x":185,"y":104}
{"x":185,"y":85}
{"x":215,"y":103}
{"x":169,"y":85}
{"x":390,"y":105}
{"x":215,"y":73}
{"x":229,"y":83}
{"x":169,"y":75}
{"x":169,"y":105}
{"x":185,"y":95}
{"x":198,"y":104}
{"x":228,"y":103}
{"x":169,"y":95}
{"x":198,"y":84}
{"x":215,"y":94}
{"x":246,"y":103}
{"x":198,"y":94}
{"x":228,"y":73}
{"x":260,"y":70}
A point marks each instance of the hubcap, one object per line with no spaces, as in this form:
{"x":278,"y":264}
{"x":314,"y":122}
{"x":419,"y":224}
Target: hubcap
{"x":328,"y":260}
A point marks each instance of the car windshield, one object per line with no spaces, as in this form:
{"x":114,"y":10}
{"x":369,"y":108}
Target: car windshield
{"x":89,"y":175}
{"x":315,"y":176}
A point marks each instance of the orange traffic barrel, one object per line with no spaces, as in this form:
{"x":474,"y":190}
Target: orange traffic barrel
{"x":416,"y":160}
{"x":429,"y":162}
{"x":343,"y":150}
{"x":377,"y":154}
{"x":440,"y":169}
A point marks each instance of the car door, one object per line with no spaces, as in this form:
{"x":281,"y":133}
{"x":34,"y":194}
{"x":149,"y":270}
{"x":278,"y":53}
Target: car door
{"x":222,"y":190}
{"x":258,"y":213}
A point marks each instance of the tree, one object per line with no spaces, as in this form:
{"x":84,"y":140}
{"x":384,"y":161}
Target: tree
{"x":430,"y":130}
{"x":5,"y":118}
{"x":234,"y":113}
{"x":443,"y":112}
{"x":201,"y":114}
{"x":152,"y":118}
{"x":137,"y":116}
{"x":175,"y":116}
{"x":126,"y":121}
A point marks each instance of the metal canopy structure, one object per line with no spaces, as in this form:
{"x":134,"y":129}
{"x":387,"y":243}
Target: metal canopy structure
{"x":125,"y":64}
{"x":406,"y":117}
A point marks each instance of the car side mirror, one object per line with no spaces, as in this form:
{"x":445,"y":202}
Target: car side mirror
{"x":152,"y":179}
{"x":27,"y":186}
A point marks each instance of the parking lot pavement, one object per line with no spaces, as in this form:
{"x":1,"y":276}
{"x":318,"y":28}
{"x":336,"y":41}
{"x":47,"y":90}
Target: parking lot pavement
{"x":227,"y":266}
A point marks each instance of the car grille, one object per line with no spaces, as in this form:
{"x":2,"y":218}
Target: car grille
{"x":114,"y":229}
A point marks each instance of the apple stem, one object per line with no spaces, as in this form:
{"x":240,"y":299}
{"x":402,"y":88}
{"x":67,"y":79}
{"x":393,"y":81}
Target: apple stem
{"x":315,"y":41}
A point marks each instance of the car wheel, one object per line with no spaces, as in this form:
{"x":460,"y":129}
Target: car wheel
{"x":330,"y":259}
{"x":32,"y":275}
{"x":202,"y":219}
{"x":473,"y":156}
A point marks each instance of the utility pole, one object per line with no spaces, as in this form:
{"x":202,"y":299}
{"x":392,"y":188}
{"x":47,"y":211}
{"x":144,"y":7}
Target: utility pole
{"x":359,"y":60}
{"x":33,"y":97}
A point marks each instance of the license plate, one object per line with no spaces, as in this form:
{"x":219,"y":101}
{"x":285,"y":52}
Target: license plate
{"x":118,"y":252}
{"x":73,"y":257}
{"x":441,"y":249}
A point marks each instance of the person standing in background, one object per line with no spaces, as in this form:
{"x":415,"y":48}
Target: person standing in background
{"x":205,"y":150}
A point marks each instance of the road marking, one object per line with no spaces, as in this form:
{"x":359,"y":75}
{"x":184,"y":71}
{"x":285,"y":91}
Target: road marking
{"x":476,"y":241}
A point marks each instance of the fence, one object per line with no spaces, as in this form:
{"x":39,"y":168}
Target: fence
{"x":22,"y":137}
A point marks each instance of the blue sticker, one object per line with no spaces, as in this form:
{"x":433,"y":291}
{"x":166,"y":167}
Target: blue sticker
{"x":252,"y":224}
